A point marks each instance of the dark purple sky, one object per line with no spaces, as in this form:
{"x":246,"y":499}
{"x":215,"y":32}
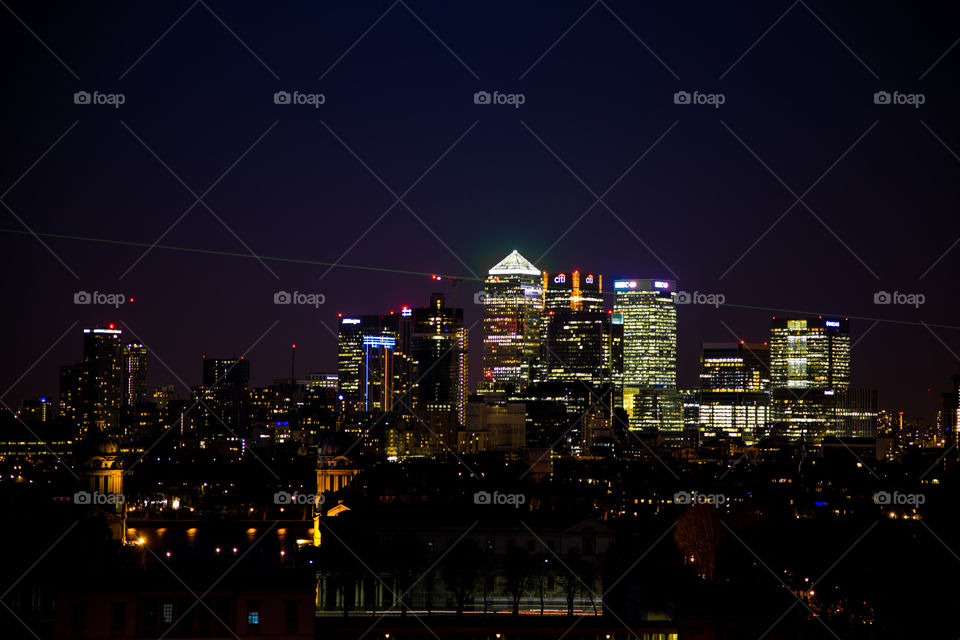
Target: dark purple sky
{"x":799,"y":102}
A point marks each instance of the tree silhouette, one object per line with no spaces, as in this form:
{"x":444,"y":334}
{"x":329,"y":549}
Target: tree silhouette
{"x":698,"y":535}
{"x":516,"y":571}
{"x":461,"y":570}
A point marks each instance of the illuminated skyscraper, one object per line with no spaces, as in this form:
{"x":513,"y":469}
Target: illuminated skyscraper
{"x":734,"y":394}
{"x":101,"y":390}
{"x":573,"y":292}
{"x":134,"y":375}
{"x":649,"y":379}
{"x":224,"y":396}
{"x":512,"y":312}
{"x":373,"y":363}
{"x":809,"y":363}
{"x":438,"y":347}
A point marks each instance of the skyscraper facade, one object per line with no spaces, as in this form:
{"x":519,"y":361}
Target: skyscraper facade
{"x":102,"y":386}
{"x":223,"y":398}
{"x":134,"y":375}
{"x":512,"y":316}
{"x":649,"y":381}
{"x":438,"y":348}
{"x":374,"y":367}
{"x":809,"y":363}
{"x":734,"y":394}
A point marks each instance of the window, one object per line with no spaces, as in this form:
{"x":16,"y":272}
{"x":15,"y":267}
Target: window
{"x":168,"y":612}
{"x":253,"y":613}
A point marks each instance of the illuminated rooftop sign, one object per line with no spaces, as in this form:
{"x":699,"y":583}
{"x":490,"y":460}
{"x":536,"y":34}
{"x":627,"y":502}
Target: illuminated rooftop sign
{"x":350,"y":321}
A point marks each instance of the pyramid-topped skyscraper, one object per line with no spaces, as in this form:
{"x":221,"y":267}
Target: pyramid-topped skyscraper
{"x":512,"y":314}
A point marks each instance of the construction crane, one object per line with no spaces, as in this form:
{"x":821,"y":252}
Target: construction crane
{"x":453,"y":288}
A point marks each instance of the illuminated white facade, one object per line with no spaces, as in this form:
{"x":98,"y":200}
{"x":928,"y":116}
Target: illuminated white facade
{"x":649,"y":317}
{"x":512,"y":312}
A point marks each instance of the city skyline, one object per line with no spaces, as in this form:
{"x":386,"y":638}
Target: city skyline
{"x":605,"y":300}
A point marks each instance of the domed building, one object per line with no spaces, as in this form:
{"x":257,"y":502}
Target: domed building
{"x":334,"y":469}
{"x":100,"y":468}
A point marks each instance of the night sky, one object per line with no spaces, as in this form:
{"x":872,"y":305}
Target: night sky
{"x":697,"y":188}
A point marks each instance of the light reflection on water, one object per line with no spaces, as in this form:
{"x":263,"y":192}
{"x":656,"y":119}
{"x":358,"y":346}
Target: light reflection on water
{"x":204,"y":538}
